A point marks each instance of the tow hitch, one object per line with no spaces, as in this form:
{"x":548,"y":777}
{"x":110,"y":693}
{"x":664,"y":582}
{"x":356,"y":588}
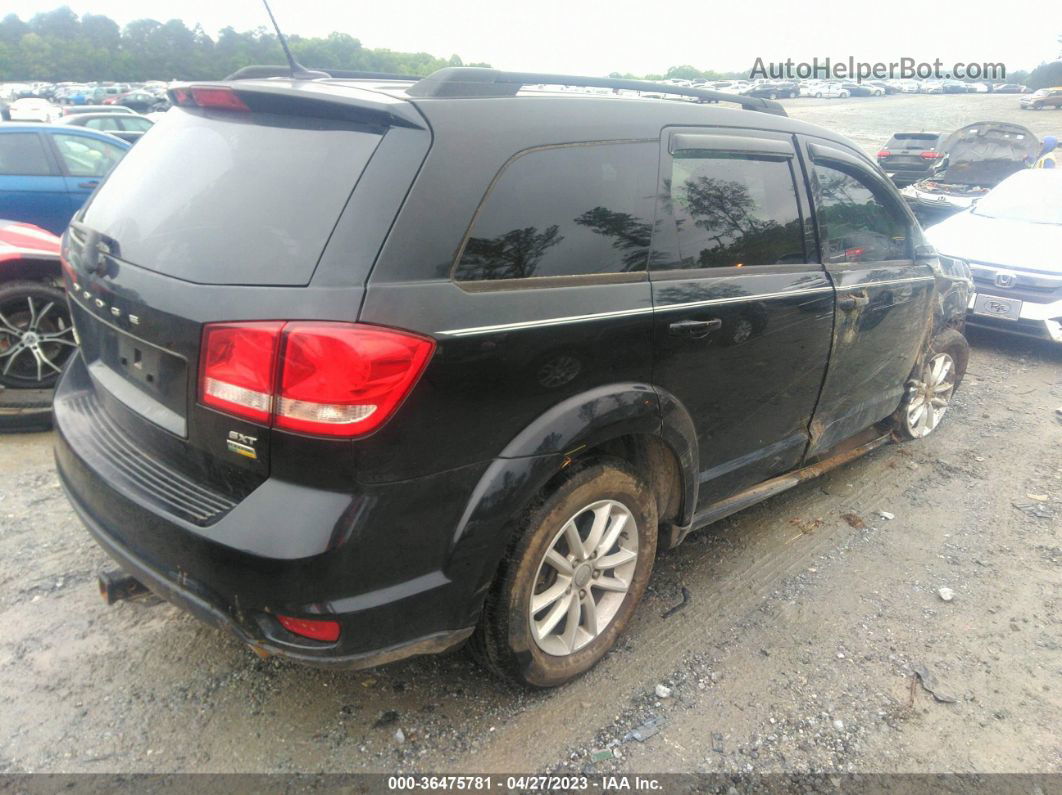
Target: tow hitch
{"x":117,"y":586}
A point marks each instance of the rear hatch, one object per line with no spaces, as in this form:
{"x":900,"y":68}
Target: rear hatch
{"x":912,"y":151}
{"x":985,"y":153}
{"x":224,"y":212}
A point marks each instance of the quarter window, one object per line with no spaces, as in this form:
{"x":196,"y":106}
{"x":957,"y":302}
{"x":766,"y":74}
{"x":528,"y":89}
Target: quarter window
{"x":565,"y":211}
{"x":857,"y":223}
{"x":23,"y":154}
{"x":731,"y":210}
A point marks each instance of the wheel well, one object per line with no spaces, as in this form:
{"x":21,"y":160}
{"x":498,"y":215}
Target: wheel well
{"x":652,"y":457}
{"x":36,"y":269}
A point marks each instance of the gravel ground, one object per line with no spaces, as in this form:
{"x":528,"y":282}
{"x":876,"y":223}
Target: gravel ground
{"x":815,"y":636}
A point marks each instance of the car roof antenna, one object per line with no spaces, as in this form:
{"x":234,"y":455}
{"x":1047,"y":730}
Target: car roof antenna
{"x":298,"y":71}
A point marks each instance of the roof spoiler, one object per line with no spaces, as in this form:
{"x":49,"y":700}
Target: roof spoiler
{"x":265,"y":71}
{"x":472,"y":81}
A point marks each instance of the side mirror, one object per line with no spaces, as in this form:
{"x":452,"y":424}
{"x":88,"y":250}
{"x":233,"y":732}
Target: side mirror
{"x":924,"y":251}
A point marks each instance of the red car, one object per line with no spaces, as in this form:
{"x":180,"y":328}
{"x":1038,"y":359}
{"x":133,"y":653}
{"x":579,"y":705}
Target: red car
{"x":36,"y":335}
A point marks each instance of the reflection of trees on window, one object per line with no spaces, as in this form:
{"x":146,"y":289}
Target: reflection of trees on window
{"x":733,"y":210}
{"x":575,"y":210}
{"x":513,"y":255}
{"x":855,"y":224}
{"x":727,"y":212}
{"x":629,"y":234}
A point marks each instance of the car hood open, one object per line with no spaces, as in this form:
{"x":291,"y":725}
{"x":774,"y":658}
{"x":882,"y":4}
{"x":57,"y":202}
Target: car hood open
{"x":987,"y":152}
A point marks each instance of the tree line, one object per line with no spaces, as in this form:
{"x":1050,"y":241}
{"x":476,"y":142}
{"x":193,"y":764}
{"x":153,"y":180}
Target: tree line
{"x":61,"y":46}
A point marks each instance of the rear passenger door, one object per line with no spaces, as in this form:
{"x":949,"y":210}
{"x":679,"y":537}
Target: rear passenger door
{"x":31,"y":188}
{"x":883,"y":293}
{"x":743,"y":309}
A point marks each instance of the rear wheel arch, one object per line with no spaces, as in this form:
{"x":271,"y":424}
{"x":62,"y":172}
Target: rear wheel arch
{"x":45,"y":270}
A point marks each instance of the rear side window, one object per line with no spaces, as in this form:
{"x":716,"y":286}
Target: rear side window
{"x":565,"y":211}
{"x":23,"y":154}
{"x":227,"y":198}
{"x":731,"y":210}
{"x":103,"y":124}
{"x":87,"y":157}
{"x":857,"y":222}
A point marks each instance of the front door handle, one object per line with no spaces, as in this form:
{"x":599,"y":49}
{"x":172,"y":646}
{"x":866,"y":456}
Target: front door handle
{"x":857,"y":299}
{"x":695,"y":328}
{"x":92,"y":183}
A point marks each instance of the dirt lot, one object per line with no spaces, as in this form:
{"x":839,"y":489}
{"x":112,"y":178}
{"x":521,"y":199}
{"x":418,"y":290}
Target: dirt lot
{"x":869,"y":121}
{"x":808,"y":619}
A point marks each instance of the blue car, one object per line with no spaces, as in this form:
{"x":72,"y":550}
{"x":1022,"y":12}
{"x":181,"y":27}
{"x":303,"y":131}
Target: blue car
{"x":47,"y":171}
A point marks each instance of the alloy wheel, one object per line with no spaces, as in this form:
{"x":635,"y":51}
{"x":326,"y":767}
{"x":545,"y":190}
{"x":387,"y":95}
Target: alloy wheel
{"x":930,"y":397}
{"x":36,"y":339}
{"x":584,"y":577}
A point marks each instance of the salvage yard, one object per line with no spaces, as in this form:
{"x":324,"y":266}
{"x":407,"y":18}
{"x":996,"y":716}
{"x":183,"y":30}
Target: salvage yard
{"x":900,"y":614}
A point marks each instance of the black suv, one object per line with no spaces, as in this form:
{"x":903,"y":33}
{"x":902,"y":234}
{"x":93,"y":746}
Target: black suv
{"x":370,"y":367}
{"x":909,"y":156}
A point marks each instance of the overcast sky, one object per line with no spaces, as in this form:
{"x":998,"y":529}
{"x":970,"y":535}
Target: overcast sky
{"x":597,"y":38}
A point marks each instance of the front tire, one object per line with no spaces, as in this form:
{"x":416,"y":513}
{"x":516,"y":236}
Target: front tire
{"x":932,"y":388}
{"x":572,"y":579}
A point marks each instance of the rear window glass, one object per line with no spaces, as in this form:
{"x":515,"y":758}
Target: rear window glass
{"x":566,"y":211}
{"x":914,"y":139}
{"x":231,"y":198}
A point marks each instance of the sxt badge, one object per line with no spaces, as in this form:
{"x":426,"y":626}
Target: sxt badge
{"x":241,"y":444}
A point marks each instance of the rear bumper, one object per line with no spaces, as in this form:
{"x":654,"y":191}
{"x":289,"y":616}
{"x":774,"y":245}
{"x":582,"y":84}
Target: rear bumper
{"x":351,"y":557}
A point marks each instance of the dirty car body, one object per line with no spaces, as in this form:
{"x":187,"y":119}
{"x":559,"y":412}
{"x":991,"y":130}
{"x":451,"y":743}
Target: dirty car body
{"x":561,"y":263}
{"x":976,"y":158}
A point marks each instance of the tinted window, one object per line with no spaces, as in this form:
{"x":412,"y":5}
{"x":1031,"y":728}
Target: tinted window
{"x":87,"y":157}
{"x":23,"y":154}
{"x":103,"y":124}
{"x":732,"y":210}
{"x":136,"y":124}
{"x":857,"y":221}
{"x":565,"y":211}
{"x":232,"y":198}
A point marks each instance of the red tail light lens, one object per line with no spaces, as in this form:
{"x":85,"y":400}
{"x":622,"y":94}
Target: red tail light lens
{"x":238,"y":368}
{"x":312,"y":628}
{"x":930,"y":155}
{"x":330,"y":379}
{"x":342,"y":380}
{"x":884,"y":153}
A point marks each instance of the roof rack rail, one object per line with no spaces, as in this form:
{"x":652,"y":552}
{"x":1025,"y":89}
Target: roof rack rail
{"x":475,"y":81}
{"x":259,"y":72}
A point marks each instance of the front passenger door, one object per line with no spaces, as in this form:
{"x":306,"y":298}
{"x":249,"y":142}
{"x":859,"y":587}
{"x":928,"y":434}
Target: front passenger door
{"x":884,"y":294}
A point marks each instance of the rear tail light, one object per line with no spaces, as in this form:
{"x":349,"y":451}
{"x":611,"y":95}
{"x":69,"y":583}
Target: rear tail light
{"x":330,"y":379}
{"x":238,"y":368}
{"x":315,"y":629}
{"x":929,"y":155}
{"x":884,"y":153}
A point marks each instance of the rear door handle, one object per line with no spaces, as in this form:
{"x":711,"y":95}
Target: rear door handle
{"x":695,"y":328}
{"x":92,"y":183}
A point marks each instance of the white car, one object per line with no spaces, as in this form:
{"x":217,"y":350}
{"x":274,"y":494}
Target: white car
{"x":830,"y":90}
{"x":1012,"y":241}
{"x":33,"y":109}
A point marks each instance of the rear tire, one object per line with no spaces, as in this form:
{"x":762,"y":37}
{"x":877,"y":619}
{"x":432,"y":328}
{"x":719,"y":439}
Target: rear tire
{"x":932,"y":386}
{"x":557,"y":606}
